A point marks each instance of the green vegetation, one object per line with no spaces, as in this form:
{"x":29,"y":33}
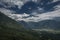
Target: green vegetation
{"x":13,"y":34}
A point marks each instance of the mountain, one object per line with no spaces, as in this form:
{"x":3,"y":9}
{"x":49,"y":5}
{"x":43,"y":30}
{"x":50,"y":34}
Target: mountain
{"x":51,"y":24}
{"x":8,"y":22}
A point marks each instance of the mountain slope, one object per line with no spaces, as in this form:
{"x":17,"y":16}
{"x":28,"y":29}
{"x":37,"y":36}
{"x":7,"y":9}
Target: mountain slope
{"x":8,"y":22}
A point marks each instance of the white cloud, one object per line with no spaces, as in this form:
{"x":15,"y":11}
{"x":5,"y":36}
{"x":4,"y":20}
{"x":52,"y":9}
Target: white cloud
{"x":6,"y":11}
{"x":44,"y":16}
{"x":19,"y":3}
{"x":55,"y":0}
{"x":37,"y":17}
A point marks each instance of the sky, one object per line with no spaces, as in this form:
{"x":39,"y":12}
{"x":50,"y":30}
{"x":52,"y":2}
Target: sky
{"x":36,"y":16}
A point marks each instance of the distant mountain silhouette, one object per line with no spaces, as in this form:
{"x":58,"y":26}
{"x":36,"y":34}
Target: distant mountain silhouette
{"x":42,"y":24}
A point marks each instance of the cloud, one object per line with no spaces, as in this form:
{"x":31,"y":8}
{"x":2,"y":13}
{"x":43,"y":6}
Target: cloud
{"x":44,"y":16}
{"x":48,"y":15}
{"x":6,"y":11}
{"x":19,"y":3}
{"x":19,"y":17}
{"x":36,"y":17}
{"x":55,"y":0}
